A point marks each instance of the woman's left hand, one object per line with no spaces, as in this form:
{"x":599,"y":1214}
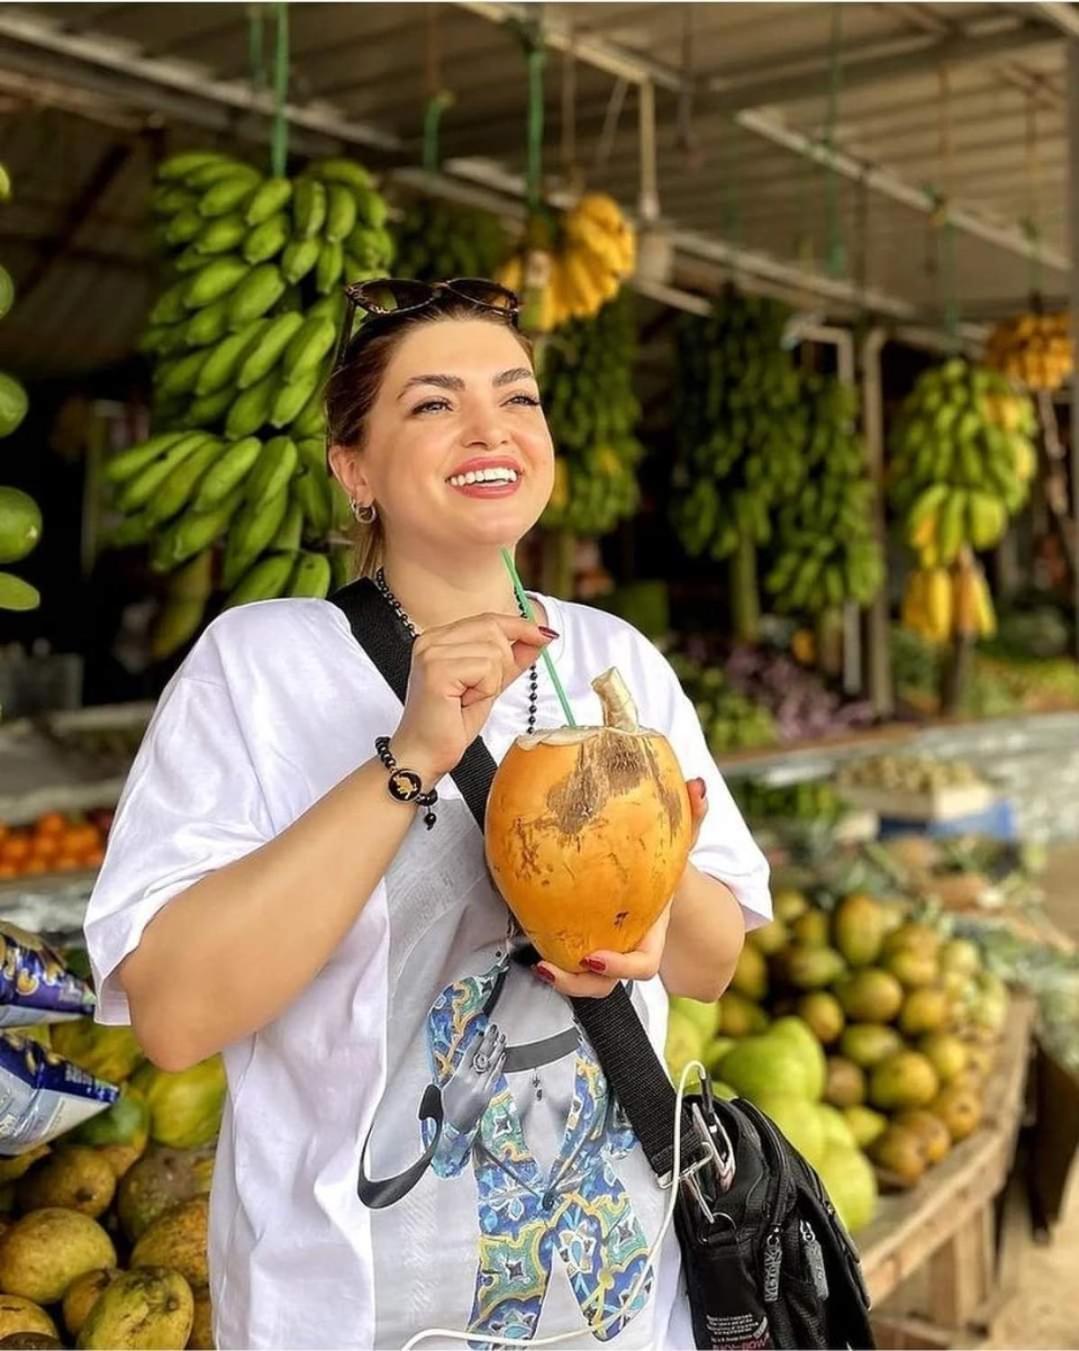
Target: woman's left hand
{"x":604,"y":970}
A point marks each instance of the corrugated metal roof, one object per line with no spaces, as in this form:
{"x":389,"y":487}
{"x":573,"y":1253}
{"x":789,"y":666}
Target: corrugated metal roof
{"x":965,"y":100}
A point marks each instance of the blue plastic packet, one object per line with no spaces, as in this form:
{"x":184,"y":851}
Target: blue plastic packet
{"x":42,"y":1095}
{"x":35,"y":984}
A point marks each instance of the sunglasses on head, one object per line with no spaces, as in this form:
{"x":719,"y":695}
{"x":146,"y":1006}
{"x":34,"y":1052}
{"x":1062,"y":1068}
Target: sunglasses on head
{"x":387,"y":298}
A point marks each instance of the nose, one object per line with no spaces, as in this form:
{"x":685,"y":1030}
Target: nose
{"x":485,"y":427}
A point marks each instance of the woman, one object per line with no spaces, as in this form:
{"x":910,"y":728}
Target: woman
{"x":264,"y":895}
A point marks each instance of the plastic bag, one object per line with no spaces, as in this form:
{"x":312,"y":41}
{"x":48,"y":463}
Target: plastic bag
{"x":35,"y":984}
{"x":42,"y":1095}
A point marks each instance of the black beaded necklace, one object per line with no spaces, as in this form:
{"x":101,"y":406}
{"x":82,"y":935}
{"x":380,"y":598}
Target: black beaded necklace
{"x":410,"y":628}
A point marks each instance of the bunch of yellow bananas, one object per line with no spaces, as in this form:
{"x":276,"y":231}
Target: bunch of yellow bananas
{"x":941,"y":603}
{"x":1034,"y":349}
{"x":575,"y":280}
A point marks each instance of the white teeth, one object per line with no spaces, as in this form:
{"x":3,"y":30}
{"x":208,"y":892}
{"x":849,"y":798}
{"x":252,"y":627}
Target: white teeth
{"x":497,"y":475}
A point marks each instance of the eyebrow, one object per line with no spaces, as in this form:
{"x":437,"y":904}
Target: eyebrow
{"x":454,"y":382}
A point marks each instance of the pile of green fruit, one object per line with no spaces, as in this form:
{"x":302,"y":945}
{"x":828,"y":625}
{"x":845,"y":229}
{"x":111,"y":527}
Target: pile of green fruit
{"x":813,"y":801}
{"x":103,"y":1232}
{"x":827,"y":552}
{"x":439,"y":240}
{"x":731,"y":721}
{"x":592,"y":411}
{"x":962,"y":461}
{"x":741,"y":433}
{"x":242,"y":339}
{"x":895,"y":1025}
{"x":20,"y":517}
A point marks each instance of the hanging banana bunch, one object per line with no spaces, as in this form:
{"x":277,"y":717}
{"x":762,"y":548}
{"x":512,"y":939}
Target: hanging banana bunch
{"x":241,"y":339}
{"x":827,"y":550}
{"x":20,"y":517}
{"x":592,"y":412}
{"x":1033,"y":349}
{"x":963,"y":460}
{"x":941,"y":604}
{"x":437,"y":240}
{"x":592,"y":253}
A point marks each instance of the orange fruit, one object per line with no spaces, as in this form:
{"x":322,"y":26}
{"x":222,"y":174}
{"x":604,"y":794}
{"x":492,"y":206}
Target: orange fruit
{"x":15,"y":849}
{"x":8,"y":871}
{"x":44,"y":847}
{"x":78,"y":839}
{"x":34,"y":867}
{"x":52,"y":823}
{"x":93,"y":858}
{"x":67,"y":863}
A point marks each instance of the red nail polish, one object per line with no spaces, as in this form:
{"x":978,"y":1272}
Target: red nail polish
{"x":596,"y":964}
{"x":545,"y":974}
{"x":548,"y":633}
{"x":704,"y":788}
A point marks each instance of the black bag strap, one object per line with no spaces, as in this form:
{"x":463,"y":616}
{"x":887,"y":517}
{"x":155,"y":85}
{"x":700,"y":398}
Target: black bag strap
{"x":617,"y":1035}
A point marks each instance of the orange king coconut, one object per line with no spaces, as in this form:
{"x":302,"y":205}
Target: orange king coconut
{"x":588,"y":831}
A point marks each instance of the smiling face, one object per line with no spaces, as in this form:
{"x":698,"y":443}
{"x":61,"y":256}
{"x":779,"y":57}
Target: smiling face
{"x":456,"y":453}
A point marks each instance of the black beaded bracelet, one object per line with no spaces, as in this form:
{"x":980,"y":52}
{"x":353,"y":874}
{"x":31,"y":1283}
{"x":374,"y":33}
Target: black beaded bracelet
{"x":405,"y":785}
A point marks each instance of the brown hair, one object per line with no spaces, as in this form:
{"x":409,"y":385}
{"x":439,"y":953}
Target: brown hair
{"x":353,"y":387}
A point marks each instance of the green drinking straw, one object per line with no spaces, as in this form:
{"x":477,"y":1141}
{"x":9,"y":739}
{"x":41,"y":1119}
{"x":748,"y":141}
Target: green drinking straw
{"x":530,"y":615}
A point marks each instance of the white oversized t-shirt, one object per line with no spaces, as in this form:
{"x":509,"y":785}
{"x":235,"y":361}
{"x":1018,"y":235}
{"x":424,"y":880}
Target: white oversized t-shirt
{"x":530,"y":1210}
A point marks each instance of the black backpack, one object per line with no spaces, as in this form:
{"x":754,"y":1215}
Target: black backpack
{"x":766,"y":1258}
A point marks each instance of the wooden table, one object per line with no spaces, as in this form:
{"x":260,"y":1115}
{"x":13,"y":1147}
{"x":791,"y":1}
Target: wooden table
{"x":945,"y":1228}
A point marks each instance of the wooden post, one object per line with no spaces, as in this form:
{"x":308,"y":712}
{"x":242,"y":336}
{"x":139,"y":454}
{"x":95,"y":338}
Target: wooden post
{"x":878,"y":637}
{"x":745,"y":590}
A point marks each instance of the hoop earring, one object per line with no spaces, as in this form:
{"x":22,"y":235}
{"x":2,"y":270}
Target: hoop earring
{"x":366,"y":515}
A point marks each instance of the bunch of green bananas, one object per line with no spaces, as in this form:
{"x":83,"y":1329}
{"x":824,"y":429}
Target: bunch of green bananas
{"x":244,"y":330}
{"x":437,"y":240}
{"x":741,"y":426}
{"x":183,"y":492}
{"x":826,"y":549}
{"x":962,"y":460}
{"x":592,"y":411}
{"x":242,"y":339}
{"x":20,"y":519}
{"x":731,"y":720}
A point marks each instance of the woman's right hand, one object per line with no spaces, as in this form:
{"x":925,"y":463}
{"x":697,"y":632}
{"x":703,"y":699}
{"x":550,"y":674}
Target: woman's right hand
{"x":458,"y":671}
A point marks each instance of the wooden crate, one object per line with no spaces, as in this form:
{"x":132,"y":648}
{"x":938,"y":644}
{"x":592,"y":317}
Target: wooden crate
{"x":937,"y":1269}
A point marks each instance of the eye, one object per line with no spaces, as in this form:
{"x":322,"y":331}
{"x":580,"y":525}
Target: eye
{"x":429,"y":405}
{"x":528,"y":400}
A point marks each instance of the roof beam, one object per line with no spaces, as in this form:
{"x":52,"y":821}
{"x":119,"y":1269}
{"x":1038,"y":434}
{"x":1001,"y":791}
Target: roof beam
{"x":194,"y":83}
{"x":920,"y":54}
{"x":630,"y":66}
{"x":1062,"y":16}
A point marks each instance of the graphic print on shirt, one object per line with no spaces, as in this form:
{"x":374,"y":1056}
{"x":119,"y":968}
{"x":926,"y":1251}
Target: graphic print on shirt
{"x":576,"y":1211}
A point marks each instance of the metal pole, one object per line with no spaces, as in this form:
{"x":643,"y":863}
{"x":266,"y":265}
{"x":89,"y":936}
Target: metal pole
{"x":1073,"y":214}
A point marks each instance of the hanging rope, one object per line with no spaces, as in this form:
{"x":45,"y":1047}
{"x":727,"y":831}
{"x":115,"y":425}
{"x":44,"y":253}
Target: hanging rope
{"x":279,"y":138}
{"x":256,"y":46}
{"x":686,"y":137}
{"x":1031,"y":226}
{"x":570,"y":169}
{"x":536,"y":56}
{"x":438,"y":97}
{"x":941,"y":214}
{"x":835,"y":254}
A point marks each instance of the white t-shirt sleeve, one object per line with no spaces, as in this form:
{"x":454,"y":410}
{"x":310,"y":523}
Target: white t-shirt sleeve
{"x":191,"y":804}
{"x":725,"y":849}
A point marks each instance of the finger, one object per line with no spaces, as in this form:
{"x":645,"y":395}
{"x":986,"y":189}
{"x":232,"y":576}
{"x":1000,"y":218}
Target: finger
{"x":574,"y":985}
{"x":640,"y":964}
{"x":468,"y":679}
{"x":510,"y":629}
{"x":494,"y":649}
{"x":698,"y":798}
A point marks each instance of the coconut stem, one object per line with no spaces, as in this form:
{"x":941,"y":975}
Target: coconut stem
{"x":619,"y":710}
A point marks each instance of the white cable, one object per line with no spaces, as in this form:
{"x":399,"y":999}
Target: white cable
{"x":649,"y":1266}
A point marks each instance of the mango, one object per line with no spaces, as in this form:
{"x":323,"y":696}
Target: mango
{"x":905,"y":1079}
{"x":82,"y":1295}
{"x":74,"y":1178}
{"x":41,"y":1254}
{"x":149,"y":1309}
{"x":870,"y":996}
